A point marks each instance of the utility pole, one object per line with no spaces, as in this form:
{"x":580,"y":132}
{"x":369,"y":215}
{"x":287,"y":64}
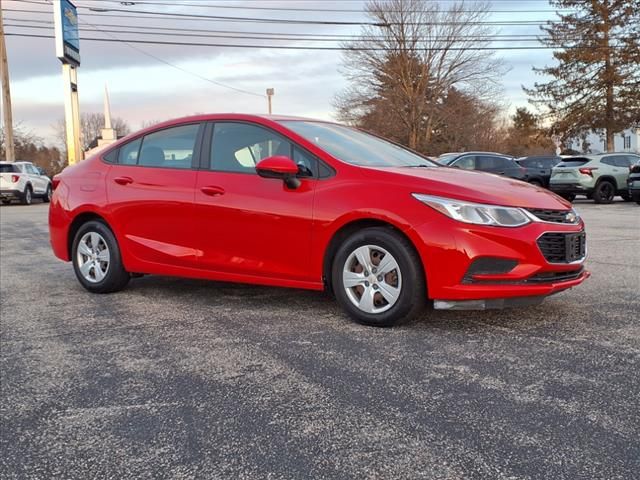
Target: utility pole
{"x":6,"y":96}
{"x":270,"y":93}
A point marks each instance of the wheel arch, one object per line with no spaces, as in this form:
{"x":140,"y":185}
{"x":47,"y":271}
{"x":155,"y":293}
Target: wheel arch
{"x":342,"y":233}
{"x":77,"y":222}
{"x":607,"y":178}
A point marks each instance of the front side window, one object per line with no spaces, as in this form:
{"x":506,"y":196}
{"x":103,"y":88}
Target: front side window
{"x":169,"y":148}
{"x":238,"y":147}
{"x":466,"y":163}
{"x":609,"y":161}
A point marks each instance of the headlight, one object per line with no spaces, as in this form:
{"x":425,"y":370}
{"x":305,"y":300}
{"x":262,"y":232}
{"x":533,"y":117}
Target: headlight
{"x":477,"y":213}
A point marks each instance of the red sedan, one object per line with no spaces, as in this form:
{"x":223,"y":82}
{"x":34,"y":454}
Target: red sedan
{"x":311,"y":204}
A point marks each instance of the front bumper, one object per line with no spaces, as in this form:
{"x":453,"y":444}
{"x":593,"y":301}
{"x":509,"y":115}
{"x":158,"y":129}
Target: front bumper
{"x":6,"y":194}
{"x":448,"y":250}
{"x":633,"y":184}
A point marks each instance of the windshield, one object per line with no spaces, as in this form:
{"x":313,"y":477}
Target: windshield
{"x":447,"y":158}
{"x":356,"y":147}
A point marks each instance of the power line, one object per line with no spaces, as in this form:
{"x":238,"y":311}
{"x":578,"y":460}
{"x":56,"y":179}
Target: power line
{"x":243,"y":32}
{"x":299,"y":47}
{"x":99,"y":12}
{"x":303,"y":9}
{"x":291,"y":37}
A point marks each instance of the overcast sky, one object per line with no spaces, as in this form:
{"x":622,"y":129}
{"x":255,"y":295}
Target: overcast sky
{"x":143,"y":88}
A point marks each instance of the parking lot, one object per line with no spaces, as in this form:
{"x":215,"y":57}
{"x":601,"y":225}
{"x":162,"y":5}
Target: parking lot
{"x":180,"y":378}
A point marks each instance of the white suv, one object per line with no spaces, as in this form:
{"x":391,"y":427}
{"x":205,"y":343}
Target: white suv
{"x":23,"y":181}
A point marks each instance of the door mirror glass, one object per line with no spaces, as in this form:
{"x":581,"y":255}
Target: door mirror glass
{"x":280,"y":167}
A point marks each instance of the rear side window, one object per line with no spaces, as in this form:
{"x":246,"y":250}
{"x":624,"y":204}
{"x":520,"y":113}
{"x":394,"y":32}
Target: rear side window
{"x":169,"y":148}
{"x":7,"y":168}
{"x":488,"y":162}
{"x":573,"y":162}
{"x":129,"y":153}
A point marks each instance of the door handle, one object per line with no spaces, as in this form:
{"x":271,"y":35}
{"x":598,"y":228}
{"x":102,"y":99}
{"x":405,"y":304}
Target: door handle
{"x":123,"y":180}
{"x":212,"y":191}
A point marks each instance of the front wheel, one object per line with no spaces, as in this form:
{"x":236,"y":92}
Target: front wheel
{"x":96,"y":259}
{"x":377,"y":277}
{"x":46,"y":198}
{"x":27,"y":196}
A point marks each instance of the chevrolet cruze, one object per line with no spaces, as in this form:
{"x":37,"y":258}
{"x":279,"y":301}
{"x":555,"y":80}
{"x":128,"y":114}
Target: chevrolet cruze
{"x":310,"y":204}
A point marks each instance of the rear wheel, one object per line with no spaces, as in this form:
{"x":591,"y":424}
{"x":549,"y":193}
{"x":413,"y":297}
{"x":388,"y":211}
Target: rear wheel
{"x":377,"y":277}
{"x":27,"y":196}
{"x":605,"y":192}
{"x":96,"y":259}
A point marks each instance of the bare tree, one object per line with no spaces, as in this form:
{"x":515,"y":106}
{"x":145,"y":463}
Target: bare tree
{"x":409,"y":57}
{"x":91,"y":125}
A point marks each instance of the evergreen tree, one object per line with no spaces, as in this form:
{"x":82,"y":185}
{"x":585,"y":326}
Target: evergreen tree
{"x":596,"y":82}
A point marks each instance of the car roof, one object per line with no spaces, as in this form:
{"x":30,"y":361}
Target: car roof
{"x":598,"y":156}
{"x":4,"y":162}
{"x":485,"y":153}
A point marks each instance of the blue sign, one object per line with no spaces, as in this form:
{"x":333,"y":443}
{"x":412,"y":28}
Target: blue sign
{"x":70,"y":24}
{"x":67,"y":36}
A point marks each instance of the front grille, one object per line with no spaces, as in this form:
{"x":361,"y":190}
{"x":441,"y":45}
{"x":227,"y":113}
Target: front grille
{"x":563,"y":247}
{"x":555,"y":216}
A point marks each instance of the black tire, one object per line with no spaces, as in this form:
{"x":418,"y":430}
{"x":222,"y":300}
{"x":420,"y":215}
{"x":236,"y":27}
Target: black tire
{"x":626,"y":196}
{"x":6,"y":202}
{"x":605,"y":192}
{"x":568,"y":196}
{"x":27,"y":196}
{"x":46,"y":198}
{"x":116,"y":277}
{"x":413,"y":293}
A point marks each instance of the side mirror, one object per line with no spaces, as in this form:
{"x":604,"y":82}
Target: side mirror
{"x":280,"y":167}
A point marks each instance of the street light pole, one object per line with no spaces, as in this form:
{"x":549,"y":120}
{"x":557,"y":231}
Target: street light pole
{"x":6,"y":96}
{"x":270,"y":92}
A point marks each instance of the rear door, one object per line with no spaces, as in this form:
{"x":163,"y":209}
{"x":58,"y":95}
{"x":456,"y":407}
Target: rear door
{"x":150,"y":190}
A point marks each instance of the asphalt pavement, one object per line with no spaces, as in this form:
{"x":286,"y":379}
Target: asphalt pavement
{"x":183,"y":379}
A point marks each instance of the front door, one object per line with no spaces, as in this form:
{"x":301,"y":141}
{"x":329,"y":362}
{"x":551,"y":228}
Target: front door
{"x":253,"y":226}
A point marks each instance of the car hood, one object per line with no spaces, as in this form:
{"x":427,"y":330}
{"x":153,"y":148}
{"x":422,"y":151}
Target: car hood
{"x":473,"y":186}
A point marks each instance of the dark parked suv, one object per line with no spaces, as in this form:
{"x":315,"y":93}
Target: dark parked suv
{"x":539,"y":168}
{"x":486,"y":162}
{"x":633,"y":182}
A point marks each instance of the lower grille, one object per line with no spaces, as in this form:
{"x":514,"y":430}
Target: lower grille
{"x":563,"y":247}
{"x":549,"y":277}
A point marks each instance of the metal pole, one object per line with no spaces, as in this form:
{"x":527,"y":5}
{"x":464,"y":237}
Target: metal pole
{"x":270,"y":92}
{"x":6,"y":97}
{"x":72,"y":113}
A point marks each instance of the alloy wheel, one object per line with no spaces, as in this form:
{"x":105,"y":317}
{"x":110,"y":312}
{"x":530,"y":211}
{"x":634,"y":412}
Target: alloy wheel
{"x":93,"y":257}
{"x":372,"y":279}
